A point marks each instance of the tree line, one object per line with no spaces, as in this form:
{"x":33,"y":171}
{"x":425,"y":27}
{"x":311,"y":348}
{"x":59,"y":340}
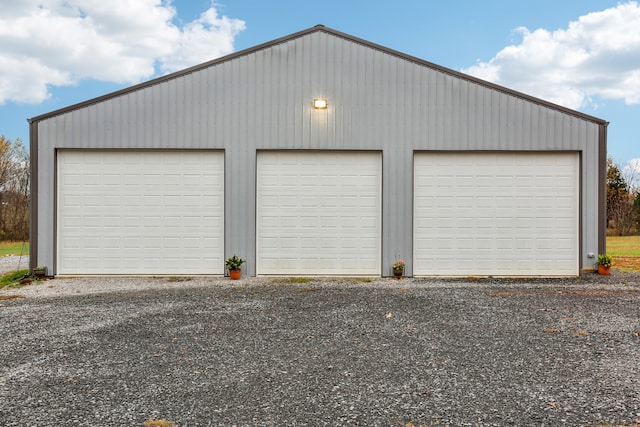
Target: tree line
{"x":14,"y":190}
{"x":623,"y":198}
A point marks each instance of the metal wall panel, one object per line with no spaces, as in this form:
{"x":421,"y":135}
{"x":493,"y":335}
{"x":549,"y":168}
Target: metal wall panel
{"x":378,"y":100}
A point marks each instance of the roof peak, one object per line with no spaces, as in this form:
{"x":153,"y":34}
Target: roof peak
{"x":336,"y":33}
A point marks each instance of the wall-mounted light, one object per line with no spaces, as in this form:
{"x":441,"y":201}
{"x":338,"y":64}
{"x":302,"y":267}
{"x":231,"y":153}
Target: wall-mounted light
{"x":320,"y":104}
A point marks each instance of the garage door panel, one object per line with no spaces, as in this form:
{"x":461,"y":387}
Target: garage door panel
{"x":147,"y":212}
{"x":318,"y":213}
{"x":496,"y":213}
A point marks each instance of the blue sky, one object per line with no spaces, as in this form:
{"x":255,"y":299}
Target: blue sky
{"x":583,"y":54}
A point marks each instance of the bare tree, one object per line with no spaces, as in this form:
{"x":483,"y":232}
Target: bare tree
{"x":622,"y":216}
{"x":14,"y":190}
{"x":631,"y":174}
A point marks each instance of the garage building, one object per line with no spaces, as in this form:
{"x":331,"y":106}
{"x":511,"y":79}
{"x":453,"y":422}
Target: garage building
{"x":317,"y":154}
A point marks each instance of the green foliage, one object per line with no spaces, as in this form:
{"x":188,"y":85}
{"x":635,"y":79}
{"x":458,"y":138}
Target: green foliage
{"x":399,"y":265}
{"x":12,"y":280}
{"x":615,"y":180}
{"x":234,"y":263}
{"x":604,"y":260}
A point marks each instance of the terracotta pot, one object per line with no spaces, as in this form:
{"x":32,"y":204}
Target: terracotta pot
{"x":40,"y":272}
{"x":604,"y":270}
{"x":235,"y":274}
{"x":397,"y":273}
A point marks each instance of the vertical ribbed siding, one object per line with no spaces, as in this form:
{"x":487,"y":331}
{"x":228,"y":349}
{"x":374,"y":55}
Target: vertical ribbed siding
{"x":262,"y":100}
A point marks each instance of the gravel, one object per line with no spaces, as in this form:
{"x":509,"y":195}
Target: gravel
{"x":13,"y":263}
{"x":207,"y":351}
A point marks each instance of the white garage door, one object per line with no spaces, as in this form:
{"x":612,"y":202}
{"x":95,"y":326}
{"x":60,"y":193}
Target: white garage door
{"x":140,"y":212}
{"x":319,"y":213}
{"x":496,"y":214}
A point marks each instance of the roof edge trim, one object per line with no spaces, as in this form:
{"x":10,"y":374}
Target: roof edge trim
{"x":174,"y":75}
{"x":468,"y":77}
{"x":318,"y":28}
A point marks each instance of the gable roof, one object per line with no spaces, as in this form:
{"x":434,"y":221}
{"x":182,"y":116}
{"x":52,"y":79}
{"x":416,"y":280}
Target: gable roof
{"x":327,"y":30}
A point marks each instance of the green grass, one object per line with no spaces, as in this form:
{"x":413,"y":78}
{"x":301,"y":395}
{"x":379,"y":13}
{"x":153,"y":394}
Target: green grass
{"x":12,"y":280}
{"x":292,"y":280}
{"x":361,"y":279}
{"x":179,"y":279}
{"x":14,"y":248}
{"x":625,"y":251}
{"x":625,"y":246}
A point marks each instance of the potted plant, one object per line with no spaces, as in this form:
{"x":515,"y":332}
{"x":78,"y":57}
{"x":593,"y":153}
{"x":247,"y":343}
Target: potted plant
{"x":40,"y":272}
{"x":398,"y":268}
{"x":604,"y":264}
{"x":234,"y":265}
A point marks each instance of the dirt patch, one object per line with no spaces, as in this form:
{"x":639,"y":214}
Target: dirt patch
{"x":602,"y":292}
{"x":627,"y":263}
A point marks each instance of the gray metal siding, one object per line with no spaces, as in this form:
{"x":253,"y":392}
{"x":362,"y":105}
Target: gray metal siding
{"x":262,"y":100}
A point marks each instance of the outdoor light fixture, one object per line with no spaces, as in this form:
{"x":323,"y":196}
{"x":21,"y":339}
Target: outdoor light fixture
{"x":320,"y":104}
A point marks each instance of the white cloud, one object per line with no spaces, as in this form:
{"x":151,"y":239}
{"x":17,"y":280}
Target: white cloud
{"x":46,"y":43}
{"x":597,"y":56}
{"x":208,"y":30}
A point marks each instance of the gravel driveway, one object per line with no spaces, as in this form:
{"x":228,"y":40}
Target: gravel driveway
{"x":415,"y":352}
